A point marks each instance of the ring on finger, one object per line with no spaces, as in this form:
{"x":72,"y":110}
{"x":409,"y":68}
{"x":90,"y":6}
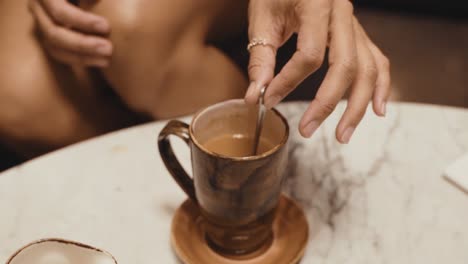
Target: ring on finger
{"x":258,"y":42}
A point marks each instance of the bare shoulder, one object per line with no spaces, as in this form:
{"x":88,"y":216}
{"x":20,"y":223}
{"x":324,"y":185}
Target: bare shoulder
{"x":209,"y":17}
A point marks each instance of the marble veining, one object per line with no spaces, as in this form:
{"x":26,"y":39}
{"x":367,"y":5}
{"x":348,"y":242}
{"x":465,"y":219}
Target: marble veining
{"x":379,"y":199}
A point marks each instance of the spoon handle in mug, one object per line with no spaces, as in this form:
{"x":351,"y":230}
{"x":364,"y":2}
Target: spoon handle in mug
{"x":260,"y":118}
{"x":181,"y":130}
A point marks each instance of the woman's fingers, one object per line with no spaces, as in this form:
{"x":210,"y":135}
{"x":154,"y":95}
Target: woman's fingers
{"x":261,"y":70}
{"x":64,"y":13}
{"x":361,"y":90}
{"x":355,"y":63}
{"x":313,"y":18}
{"x":342,"y":70}
{"x":383,"y":88}
{"x":67,"y":39}
{"x":73,"y":58}
{"x":262,"y":27}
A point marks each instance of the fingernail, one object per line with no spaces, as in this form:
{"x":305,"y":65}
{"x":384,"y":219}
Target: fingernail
{"x":104,"y":49}
{"x":347,"y":135}
{"x":272,"y":100}
{"x":250,"y":90}
{"x":101,"y":26}
{"x":310,"y":128}
{"x":383,"y":108}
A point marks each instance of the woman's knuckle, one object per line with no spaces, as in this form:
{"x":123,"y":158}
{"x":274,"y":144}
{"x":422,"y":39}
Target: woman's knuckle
{"x":349,"y":64}
{"x":326,"y":107}
{"x":370,"y":71}
{"x":348,"y":5}
{"x":348,"y":67}
{"x":285,"y":83}
{"x":254,"y":66}
{"x":343,"y":6}
{"x":385,"y":62}
{"x":312,"y":58}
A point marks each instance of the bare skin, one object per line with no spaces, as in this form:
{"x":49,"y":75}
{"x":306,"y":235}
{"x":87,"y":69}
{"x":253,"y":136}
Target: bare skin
{"x":45,"y":105}
{"x":160,"y":66}
{"x":163,"y":43}
{"x":357,"y":66}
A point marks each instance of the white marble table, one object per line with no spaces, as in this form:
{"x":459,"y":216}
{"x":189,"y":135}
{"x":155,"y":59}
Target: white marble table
{"x":380,"y":199}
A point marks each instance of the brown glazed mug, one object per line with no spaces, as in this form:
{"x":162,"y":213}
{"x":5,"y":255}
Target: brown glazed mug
{"x":237,"y":196}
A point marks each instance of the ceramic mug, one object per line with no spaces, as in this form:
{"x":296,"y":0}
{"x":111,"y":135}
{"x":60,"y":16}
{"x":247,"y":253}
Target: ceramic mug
{"x":237,"y":196}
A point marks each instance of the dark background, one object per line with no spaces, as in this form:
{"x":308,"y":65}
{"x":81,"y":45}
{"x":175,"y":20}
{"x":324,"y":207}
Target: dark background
{"x":444,"y":8}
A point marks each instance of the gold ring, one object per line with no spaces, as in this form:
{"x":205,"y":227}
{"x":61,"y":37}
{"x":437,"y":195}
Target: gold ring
{"x":258,"y":42}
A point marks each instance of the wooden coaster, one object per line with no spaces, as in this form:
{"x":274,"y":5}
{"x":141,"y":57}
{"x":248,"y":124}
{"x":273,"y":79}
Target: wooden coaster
{"x":290,"y":235}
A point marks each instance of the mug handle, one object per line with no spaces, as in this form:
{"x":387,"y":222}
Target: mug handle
{"x":181,"y":130}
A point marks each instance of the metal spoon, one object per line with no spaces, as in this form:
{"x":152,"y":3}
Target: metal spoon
{"x":260,"y":118}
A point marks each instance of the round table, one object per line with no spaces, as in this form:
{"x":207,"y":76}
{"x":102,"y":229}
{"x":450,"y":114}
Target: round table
{"x":379,"y":199}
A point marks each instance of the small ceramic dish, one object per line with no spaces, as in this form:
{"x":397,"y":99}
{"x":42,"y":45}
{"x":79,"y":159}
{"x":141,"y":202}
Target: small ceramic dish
{"x":60,"y":251}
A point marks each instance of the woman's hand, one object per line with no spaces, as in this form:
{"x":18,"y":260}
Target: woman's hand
{"x":355,"y":62}
{"x":72,"y":35}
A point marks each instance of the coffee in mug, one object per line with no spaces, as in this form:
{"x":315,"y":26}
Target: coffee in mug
{"x":236,"y":145}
